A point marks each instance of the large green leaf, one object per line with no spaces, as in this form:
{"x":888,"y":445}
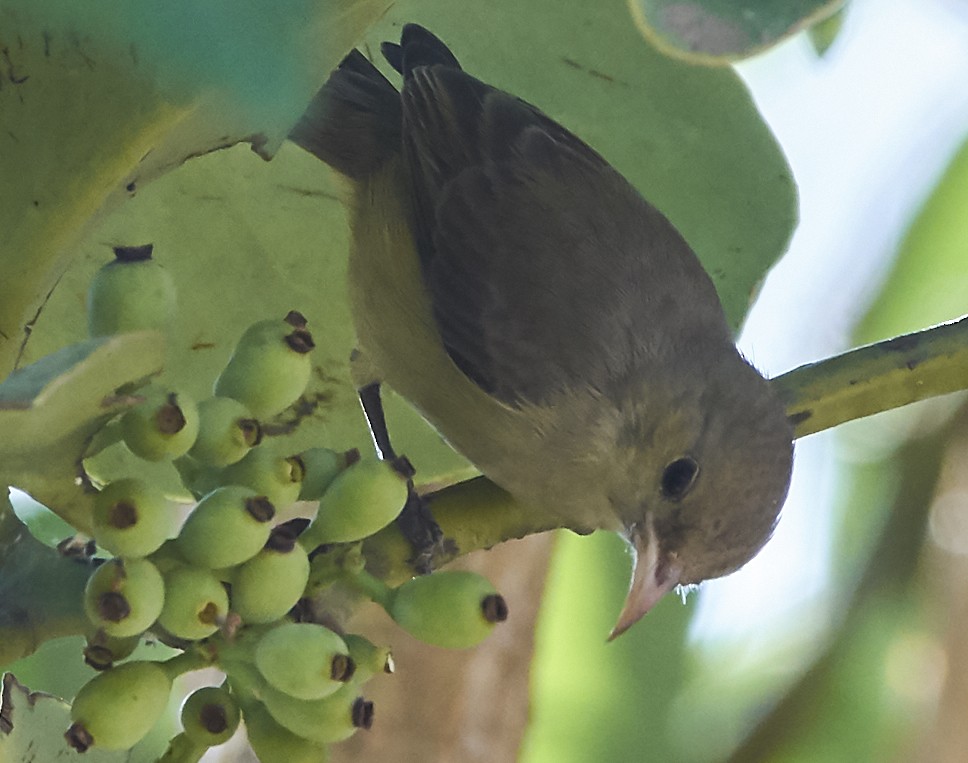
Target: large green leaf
{"x":98,"y":98}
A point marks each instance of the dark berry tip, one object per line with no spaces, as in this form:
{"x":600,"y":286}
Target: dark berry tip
{"x":213,"y":718}
{"x":342,"y":668}
{"x":362,"y":713}
{"x":133,"y":253}
{"x":79,"y":737}
{"x":282,"y":539}
{"x":296,"y":319}
{"x":260,"y":508}
{"x":301,"y":341}
{"x":251,"y":431}
{"x":113,"y":607}
{"x":494,"y":608}
{"x":169,"y":419}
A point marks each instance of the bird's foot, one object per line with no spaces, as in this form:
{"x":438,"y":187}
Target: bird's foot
{"x":417,"y":524}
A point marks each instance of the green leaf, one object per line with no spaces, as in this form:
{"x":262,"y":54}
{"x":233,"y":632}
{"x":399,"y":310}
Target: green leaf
{"x":40,"y":590}
{"x":720,"y":31}
{"x":98,"y":99}
{"x":49,"y":410}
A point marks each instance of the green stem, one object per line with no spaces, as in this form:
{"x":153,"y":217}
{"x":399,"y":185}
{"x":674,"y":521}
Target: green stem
{"x":371,"y":587}
{"x":108,"y":435}
{"x":185,"y":662}
{"x":181,"y":749}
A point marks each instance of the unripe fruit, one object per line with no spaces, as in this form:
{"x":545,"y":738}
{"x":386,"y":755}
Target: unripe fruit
{"x":131,"y":518}
{"x":195,"y":603}
{"x":131,"y":293}
{"x":102,"y":650}
{"x":228,"y":526}
{"x":124,"y":597}
{"x":267,"y":586}
{"x":368,"y":658}
{"x":331,"y":719}
{"x":303,"y":660}
{"x":162,"y":427}
{"x":226,"y":432}
{"x":273,"y":743}
{"x":363,"y":499}
{"x":270,"y":366}
{"x":116,"y":708}
{"x":276,"y":477}
{"x":321,"y":467}
{"x":455,"y":609}
{"x":210,"y":716}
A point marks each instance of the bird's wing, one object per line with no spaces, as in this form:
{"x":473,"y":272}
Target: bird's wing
{"x":546,"y":269}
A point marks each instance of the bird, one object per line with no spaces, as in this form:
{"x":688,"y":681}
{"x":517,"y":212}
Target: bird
{"x":547,"y":320}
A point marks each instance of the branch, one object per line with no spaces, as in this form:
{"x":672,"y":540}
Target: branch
{"x":877,"y":377}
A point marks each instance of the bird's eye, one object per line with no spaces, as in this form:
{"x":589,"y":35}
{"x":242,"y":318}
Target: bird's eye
{"x":679,"y":477}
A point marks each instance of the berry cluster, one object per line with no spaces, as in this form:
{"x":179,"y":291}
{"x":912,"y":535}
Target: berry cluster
{"x":225,"y":587}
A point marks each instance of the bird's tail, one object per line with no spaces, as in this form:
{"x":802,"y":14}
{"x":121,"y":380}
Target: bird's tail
{"x":418,"y":47}
{"x":353,"y":123}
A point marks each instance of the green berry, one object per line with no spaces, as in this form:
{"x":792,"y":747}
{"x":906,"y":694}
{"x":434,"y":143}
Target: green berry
{"x":278,"y":478}
{"x":195,"y":603}
{"x":273,"y":743}
{"x":270,"y":366}
{"x":368,"y":658}
{"x":304,"y":660}
{"x":124,"y":596}
{"x":454,"y":608}
{"x":321,"y":467}
{"x":363,"y":499}
{"x":116,"y":708}
{"x":226,"y":432}
{"x":131,"y":293}
{"x":228,"y":526}
{"x":131,"y":518}
{"x":210,"y":716}
{"x":330,"y":719}
{"x":162,"y":427}
{"x":102,"y":650}
{"x":267,"y":586}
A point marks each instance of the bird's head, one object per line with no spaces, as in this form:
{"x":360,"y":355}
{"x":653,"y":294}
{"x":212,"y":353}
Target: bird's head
{"x":698,"y":486}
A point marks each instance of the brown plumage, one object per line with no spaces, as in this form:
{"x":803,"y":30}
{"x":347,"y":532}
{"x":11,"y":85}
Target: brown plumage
{"x":546,"y":319}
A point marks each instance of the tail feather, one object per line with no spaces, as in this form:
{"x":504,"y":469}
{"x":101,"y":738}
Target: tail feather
{"x":353,"y":122}
{"x":418,"y":47}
